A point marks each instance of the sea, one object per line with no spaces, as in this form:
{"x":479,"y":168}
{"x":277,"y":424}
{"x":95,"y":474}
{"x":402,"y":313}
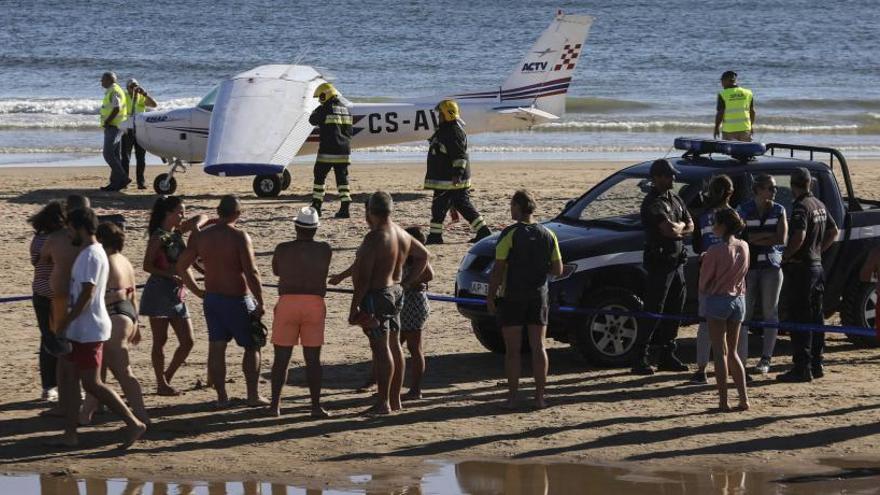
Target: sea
{"x":649,"y":70}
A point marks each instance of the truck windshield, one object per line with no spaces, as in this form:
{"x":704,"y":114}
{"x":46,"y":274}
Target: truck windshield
{"x":619,"y":200}
{"x":207,"y":102}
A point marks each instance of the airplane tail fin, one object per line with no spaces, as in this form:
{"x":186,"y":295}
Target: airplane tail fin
{"x":543,"y":76}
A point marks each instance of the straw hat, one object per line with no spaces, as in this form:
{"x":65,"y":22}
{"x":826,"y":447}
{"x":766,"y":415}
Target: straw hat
{"x":307,"y":218}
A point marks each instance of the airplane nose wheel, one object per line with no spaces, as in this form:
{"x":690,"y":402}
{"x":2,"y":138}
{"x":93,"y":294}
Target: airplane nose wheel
{"x":267,"y":186}
{"x":165,"y":184}
{"x":286,"y":178}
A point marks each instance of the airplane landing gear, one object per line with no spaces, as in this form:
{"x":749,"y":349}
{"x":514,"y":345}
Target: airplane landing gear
{"x":166,"y":184}
{"x":268,"y":186}
{"x":286,"y":178}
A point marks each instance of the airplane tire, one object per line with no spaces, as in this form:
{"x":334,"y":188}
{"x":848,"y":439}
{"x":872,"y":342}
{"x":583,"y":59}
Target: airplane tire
{"x":162,"y":187}
{"x":267,"y":186}
{"x":286,"y":179}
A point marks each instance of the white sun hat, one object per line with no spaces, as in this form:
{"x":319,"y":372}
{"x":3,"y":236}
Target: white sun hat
{"x":307,"y":218}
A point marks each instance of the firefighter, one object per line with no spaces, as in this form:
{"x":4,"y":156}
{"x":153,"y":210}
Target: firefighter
{"x":334,"y":121}
{"x":449,"y":174}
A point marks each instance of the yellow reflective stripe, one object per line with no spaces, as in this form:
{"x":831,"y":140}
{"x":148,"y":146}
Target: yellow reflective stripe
{"x":325,"y":158}
{"x":436,"y":228}
{"x":477,"y":224}
{"x":446,"y":184}
{"x":460,"y":163}
{"x":441,"y":148}
{"x":338,"y":119}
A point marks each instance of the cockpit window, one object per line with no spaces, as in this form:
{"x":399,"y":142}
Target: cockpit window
{"x":207,"y":102}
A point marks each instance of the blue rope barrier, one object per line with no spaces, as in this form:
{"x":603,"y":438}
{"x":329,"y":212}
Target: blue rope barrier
{"x":470,"y":301}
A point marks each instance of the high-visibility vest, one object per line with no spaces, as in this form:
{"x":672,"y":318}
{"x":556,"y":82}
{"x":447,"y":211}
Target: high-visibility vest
{"x":107,"y":106}
{"x":136,"y":104}
{"x":737,"y":102}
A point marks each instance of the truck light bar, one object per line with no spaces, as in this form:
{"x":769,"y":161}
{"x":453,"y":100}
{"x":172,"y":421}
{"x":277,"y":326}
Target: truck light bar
{"x":735,"y":149}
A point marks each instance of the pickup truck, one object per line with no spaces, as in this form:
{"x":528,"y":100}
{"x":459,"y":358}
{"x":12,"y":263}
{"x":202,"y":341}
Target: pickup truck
{"x":601,"y":239}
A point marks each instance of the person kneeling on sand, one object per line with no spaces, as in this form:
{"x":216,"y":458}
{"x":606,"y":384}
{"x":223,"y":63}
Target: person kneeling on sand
{"x":526,"y":254}
{"x":301,"y":266}
{"x":722,"y":288}
{"x":87,"y":326}
{"x":230,"y":272}
{"x":378,"y":295}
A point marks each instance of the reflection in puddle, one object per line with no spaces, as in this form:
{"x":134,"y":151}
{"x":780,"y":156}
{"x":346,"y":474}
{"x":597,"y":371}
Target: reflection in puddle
{"x":485,"y":478}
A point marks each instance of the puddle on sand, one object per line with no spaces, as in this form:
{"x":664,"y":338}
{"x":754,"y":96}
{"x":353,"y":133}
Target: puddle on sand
{"x":485,"y":477}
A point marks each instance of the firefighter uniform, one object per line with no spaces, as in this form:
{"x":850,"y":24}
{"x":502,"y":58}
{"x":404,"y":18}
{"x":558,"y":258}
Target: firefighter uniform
{"x":334,"y":121}
{"x":449,"y":175}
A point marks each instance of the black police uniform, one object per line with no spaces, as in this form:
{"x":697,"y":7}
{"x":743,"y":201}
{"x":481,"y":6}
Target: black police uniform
{"x":803,"y":286}
{"x":335,"y":125}
{"x":664,"y":260}
{"x":449,"y":176}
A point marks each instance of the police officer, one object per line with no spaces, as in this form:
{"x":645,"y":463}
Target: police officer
{"x":138,"y":102}
{"x":735,"y":110}
{"x":334,"y":121}
{"x":114,"y":110}
{"x":449,"y":174}
{"x":811,"y":233}
{"x":667,"y":222}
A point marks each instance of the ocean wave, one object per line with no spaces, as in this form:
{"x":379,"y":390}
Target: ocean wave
{"x":575,"y":104}
{"x":74,"y":106}
{"x":820,"y":104}
{"x":683,"y":125}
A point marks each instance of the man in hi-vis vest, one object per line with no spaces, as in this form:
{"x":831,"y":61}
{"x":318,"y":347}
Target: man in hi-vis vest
{"x":735,"y":111}
{"x":114,"y":110}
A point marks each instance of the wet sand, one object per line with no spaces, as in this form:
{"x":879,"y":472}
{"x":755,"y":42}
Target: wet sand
{"x":597,"y":415}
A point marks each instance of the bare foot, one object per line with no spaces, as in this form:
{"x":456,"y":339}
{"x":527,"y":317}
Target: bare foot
{"x":724,"y":407}
{"x":258,"y":401}
{"x":85,"y":417}
{"x":366,"y":387}
{"x":167,"y":391}
{"x":320,"y":413}
{"x":377,"y":410}
{"x":411,"y":395}
{"x":540,"y":403}
{"x":743,"y":406}
{"x":133,"y":434}
{"x":396,"y":406}
{"x":223,"y":403}
{"x":274,"y":412}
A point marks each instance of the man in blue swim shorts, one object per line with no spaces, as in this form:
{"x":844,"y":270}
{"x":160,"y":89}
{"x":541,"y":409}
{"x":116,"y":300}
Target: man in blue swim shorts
{"x":233,"y":296}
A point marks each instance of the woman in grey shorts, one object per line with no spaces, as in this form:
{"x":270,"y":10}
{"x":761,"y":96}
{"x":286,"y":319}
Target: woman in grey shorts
{"x":413,"y":317}
{"x":722,"y":289}
{"x":162,"y":300}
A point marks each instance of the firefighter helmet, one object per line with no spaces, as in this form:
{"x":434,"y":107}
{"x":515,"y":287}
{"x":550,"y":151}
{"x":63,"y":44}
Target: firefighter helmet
{"x":449,"y":110}
{"x":325,"y":91}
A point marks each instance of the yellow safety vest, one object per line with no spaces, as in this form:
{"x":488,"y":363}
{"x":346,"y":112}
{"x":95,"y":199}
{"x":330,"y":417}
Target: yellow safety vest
{"x":136,"y":104}
{"x":737,"y":102}
{"x":107,"y":106}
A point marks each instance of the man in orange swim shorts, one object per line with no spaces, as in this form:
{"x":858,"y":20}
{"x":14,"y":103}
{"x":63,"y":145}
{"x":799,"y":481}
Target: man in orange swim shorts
{"x":301,"y":266}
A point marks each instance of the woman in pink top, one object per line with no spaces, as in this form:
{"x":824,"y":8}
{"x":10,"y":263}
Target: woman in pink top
{"x":722,"y":287}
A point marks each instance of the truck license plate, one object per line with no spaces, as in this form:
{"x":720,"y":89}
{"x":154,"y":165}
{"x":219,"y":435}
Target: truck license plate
{"x":479,"y":288}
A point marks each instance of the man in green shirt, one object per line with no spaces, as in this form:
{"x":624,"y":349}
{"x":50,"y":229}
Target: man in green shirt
{"x":526,"y":255}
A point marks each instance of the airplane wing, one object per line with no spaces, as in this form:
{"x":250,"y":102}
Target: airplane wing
{"x":260,"y":120}
{"x":532,"y":115}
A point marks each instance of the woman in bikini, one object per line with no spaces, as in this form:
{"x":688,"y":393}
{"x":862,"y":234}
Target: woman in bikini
{"x":163,"y":297}
{"x":121,"y":302}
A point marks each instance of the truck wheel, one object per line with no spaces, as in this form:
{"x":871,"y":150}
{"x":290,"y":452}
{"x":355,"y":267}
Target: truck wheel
{"x":165,"y":185}
{"x":859,"y":303}
{"x":607,"y":340}
{"x":267,"y":186}
{"x":286,"y":179}
{"x":489,"y":334}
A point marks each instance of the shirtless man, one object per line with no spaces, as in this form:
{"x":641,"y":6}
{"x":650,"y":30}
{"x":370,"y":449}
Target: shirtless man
{"x":301,"y":266}
{"x":378,"y":295}
{"x":61,"y":253}
{"x":233,"y":295}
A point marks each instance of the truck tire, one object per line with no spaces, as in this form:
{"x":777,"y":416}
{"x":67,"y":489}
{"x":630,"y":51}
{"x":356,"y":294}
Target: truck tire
{"x":488,"y":333}
{"x":607,"y":340}
{"x":858,"y":310}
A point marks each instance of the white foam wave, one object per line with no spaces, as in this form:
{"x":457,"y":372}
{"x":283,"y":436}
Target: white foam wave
{"x":673,"y":125}
{"x":66,"y":106}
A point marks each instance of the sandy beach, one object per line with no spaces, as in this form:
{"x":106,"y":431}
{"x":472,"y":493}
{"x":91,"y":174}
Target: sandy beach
{"x":597,"y":415}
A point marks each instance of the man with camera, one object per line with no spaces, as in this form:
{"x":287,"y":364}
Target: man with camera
{"x":138,"y":101}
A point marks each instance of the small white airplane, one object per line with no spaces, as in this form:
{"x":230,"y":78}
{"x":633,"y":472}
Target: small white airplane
{"x":256,"y":122}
